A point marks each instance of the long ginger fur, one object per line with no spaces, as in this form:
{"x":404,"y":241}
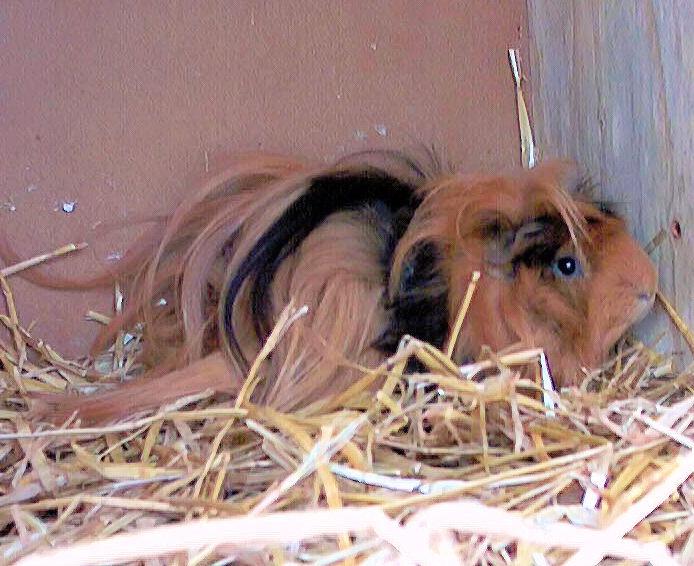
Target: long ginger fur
{"x":369,"y":271}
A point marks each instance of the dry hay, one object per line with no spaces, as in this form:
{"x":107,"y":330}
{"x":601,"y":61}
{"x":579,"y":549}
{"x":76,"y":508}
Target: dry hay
{"x":483,"y":464}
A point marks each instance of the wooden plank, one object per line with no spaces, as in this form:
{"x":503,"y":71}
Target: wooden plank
{"x":612,"y":87}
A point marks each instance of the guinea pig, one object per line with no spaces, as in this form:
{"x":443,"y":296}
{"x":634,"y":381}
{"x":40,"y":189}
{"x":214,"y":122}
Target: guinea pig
{"x":378,"y":246}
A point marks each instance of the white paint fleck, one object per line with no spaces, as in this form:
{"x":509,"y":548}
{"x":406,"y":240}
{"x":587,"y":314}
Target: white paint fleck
{"x":373,"y":46}
{"x":114,"y":256}
{"x":31,"y":188}
{"x":68,"y":206}
{"x":381,"y":130}
{"x":361,"y":135}
{"x":161,"y":302}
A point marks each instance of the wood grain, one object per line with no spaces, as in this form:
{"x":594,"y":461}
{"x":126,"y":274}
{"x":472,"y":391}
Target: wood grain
{"x":613,"y":88}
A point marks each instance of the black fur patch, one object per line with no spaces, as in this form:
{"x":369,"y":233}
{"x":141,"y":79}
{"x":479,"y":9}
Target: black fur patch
{"x":420,"y":307}
{"x":542,"y":251}
{"x":325,"y":195}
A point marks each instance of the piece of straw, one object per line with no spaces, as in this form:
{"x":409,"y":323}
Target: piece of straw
{"x":287,"y":527}
{"x":591,"y":555}
{"x":460,"y":318}
{"x":528,"y":157}
{"x":27,"y":263}
{"x":678,"y":320}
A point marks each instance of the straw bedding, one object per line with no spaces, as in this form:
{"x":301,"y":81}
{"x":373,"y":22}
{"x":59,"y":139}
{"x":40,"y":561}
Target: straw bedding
{"x":484,"y":464}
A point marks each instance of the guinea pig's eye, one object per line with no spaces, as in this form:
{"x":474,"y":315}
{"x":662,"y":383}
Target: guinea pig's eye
{"x":566,"y":266}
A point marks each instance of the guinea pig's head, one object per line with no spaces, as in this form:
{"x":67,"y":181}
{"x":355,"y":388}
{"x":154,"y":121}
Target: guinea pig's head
{"x":558,"y":272}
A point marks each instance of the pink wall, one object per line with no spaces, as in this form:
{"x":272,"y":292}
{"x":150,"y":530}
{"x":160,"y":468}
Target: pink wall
{"x":115,"y":104}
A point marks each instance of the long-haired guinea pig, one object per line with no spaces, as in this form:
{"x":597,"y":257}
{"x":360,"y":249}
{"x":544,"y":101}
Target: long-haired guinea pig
{"x":377,"y":246}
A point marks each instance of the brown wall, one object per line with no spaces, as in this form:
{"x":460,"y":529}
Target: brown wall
{"x":115,"y":104}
